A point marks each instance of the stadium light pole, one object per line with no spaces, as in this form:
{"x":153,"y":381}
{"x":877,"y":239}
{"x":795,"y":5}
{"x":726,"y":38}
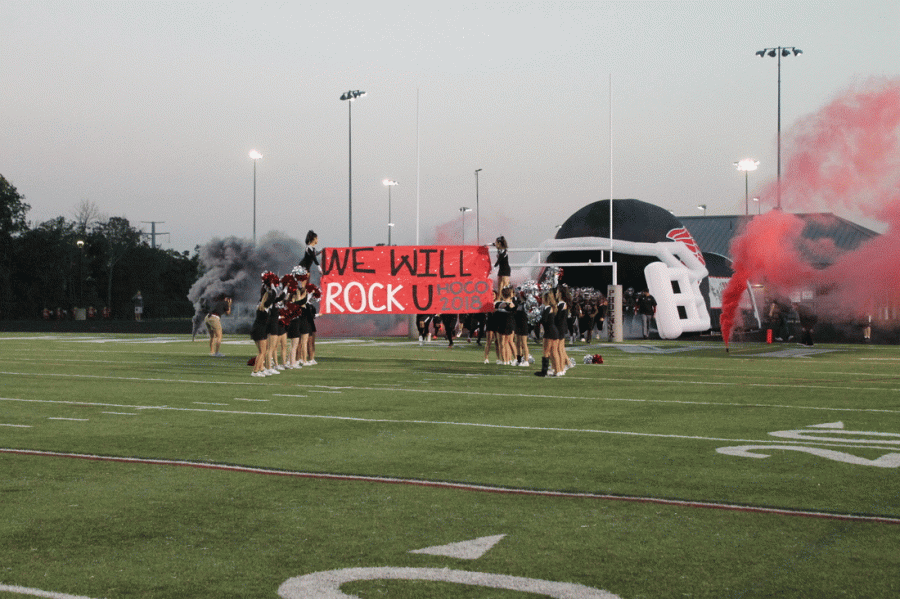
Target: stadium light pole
{"x":772,"y":53}
{"x":758,"y":206}
{"x":747,"y":165}
{"x":80,"y":244}
{"x":349,"y":97}
{"x":702,"y":207}
{"x":389,"y":183}
{"x":254,"y":155}
{"x":464,"y":209}
{"x":477,"y":211}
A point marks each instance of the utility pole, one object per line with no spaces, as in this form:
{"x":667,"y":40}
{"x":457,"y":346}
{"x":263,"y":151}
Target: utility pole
{"x":153,"y":234}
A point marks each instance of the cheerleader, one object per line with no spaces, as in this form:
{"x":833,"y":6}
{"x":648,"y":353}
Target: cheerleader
{"x":502,"y":263}
{"x":504,"y":309}
{"x":564,"y":299}
{"x":311,"y":336}
{"x":550,"y":334}
{"x":276,"y":331}
{"x":302,"y":355}
{"x":491,"y":336}
{"x":520,"y":330}
{"x":259,"y":332}
{"x":298,"y":298}
{"x":309,"y":257}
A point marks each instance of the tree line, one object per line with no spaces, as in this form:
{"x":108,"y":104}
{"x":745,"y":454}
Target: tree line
{"x":91,"y":261}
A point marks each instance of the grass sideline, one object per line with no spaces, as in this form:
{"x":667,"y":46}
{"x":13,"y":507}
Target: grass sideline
{"x":609,"y":477}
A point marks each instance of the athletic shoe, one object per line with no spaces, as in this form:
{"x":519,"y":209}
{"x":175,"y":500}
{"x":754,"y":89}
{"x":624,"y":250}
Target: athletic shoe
{"x":279,"y":366}
{"x":256,"y":373}
{"x":272,"y":371}
{"x":486,"y":361}
{"x":524,"y":363}
{"x":500,"y":362}
{"x":312,"y":362}
{"x":563,"y":373}
{"x":218,"y":355}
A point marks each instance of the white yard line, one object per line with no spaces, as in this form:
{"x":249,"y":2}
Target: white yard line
{"x":480,"y":425}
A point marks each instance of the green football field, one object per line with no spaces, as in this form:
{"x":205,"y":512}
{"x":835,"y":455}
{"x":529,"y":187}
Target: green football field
{"x":138,"y":466}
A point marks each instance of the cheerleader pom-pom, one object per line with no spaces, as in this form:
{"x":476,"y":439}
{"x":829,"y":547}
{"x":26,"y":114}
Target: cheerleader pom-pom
{"x":251,"y":361}
{"x":270,"y":278}
{"x":289,"y":282}
{"x":313,"y":290}
{"x":300,"y":273}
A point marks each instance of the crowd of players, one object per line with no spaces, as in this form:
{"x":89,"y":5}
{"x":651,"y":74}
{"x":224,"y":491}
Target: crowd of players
{"x":564,"y":315}
{"x":284,"y":327}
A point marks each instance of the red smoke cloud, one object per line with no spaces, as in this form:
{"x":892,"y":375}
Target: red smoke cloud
{"x":846,"y":156}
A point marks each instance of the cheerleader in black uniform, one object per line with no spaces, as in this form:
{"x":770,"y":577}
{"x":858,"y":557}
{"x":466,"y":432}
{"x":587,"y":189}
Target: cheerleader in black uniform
{"x":298,"y":298}
{"x":504,"y":309}
{"x":275,"y":329}
{"x":502,"y":263}
{"x":550,"y":333}
{"x":309,"y":257}
{"x":303,"y":329}
{"x":520,"y":320}
{"x":260,"y":333}
{"x":311,"y":336}
{"x":564,"y":299}
{"x":491,"y":337}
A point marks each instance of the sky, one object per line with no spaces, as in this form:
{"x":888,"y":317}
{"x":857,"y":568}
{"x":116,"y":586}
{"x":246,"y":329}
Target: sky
{"x":149,"y":110}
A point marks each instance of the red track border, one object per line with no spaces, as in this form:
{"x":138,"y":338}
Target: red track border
{"x":460,"y":486}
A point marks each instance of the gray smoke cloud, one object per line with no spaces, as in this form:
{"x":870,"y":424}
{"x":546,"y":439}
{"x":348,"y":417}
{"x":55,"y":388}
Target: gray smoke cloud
{"x":232,"y":267}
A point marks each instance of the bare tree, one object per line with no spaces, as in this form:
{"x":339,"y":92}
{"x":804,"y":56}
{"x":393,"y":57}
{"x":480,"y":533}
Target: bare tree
{"x":87,"y":214}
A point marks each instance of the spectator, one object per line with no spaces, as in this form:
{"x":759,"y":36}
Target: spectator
{"x":138,"y":305}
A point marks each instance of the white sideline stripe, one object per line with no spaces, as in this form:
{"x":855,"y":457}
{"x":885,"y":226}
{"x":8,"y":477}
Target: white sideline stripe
{"x":130,"y":378}
{"x":245,"y":399}
{"x":206,"y":403}
{"x":120,"y":413}
{"x":16,"y":425}
{"x":74,"y":419}
{"x":608,"y":379}
{"x":805,"y":442}
{"x":322,"y":388}
{"x":459,"y":486}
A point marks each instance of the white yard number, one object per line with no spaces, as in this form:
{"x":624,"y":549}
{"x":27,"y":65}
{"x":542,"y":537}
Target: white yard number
{"x":834,"y":433}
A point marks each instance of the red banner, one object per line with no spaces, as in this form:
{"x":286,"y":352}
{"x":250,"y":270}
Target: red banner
{"x":406,"y":280}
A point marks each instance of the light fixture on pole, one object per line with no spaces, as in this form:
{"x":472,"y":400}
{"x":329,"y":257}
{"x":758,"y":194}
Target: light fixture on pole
{"x":389,"y":183}
{"x":254,"y":155}
{"x":464,"y":209}
{"x":758,"y":206}
{"x":702,"y":207}
{"x":350,"y":96}
{"x":747,"y":165}
{"x":477,"y":211}
{"x":772,"y":53}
